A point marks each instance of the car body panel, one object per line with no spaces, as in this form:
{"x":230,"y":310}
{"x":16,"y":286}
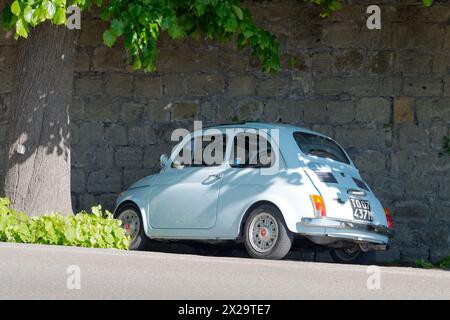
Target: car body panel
{"x":184,"y":204}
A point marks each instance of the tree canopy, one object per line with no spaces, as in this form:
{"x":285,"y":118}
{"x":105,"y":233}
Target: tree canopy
{"x":141,"y":21}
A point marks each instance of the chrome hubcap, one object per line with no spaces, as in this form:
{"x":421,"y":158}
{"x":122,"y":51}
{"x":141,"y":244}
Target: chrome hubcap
{"x":263,"y":232}
{"x":131,"y":223}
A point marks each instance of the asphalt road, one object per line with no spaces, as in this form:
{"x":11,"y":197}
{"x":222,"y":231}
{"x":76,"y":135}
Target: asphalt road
{"x":47,"y":272}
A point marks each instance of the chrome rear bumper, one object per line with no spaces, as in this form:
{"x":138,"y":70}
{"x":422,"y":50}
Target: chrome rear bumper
{"x":335,"y":229}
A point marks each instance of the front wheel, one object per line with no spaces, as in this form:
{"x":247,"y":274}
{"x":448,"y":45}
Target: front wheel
{"x":266,"y":235}
{"x":130,"y":215}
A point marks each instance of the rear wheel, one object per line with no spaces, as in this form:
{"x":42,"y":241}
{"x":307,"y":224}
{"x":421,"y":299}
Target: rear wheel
{"x":266,"y":235}
{"x":353,"y":255}
{"x":131,"y":218}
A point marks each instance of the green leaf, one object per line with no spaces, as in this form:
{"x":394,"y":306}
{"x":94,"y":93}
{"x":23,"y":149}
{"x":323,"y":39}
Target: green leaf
{"x":28,"y":14}
{"x":7,"y":17}
{"x":118,"y":27}
{"x":176,"y":31}
{"x":50,"y":9}
{"x":15,"y":8}
{"x":60,"y":16}
{"x":21,"y":28}
{"x":109,"y":38}
{"x":238,"y":12}
{"x":428,"y":3}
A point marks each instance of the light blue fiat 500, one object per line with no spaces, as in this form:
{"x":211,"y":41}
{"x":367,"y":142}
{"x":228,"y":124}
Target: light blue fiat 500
{"x":263,"y":184}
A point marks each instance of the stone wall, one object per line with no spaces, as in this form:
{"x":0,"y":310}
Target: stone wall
{"x":384,"y":95}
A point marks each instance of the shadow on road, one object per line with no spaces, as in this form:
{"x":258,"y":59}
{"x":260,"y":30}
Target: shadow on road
{"x":301,"y":250}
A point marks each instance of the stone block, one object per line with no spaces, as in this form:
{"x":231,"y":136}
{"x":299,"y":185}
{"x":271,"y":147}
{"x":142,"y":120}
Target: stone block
{"x":411,"y":211}
{"x":109,"y":59}
{"x":187,"y":60}
{"x":411,"y":136}
{"x":185,"y":110}
{"x":91,"y":33}
{"x":413,"y":61}
{"x":350,"y":60}
{"x":116,"y":135}
{"x":422,"y":86}
{"x":132,"y":113}
{"x":371,"y":161}
{"x":173,"y":85}
{"x":250,"y":110}
{"x":361,"y":86}
{"x":104,"y":158}
{"x":203,"y":84}
{"x":242,"y":86}
{"x":417,"y":35}
{"x":77,"y":181}
{"x":342,"y":35}
{"x":381,"y":62}
{"x":88,"y":86}
{"x":323,"y":62}
{"x":148,"y":86}
{"x":373,"y":110}
{"x":412,"y":254}
{"x":275,"y":86}
{"x":141,"y":135}
{"x":82,"y":61}
{"x":119,"y":85}
{"x":340,"y":111}
{"x":92,"y":133}
{"x":403,"y":110}
{"x":158,"y":110}
{"x":128,"y":157}
{"x":328,"y":86}
{"x":314,"y":111}
{"x":104,"y":181}
{"x":100,"y":108}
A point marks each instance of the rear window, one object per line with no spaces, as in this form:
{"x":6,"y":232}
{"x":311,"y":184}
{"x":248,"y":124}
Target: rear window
{"x":318,"y":146}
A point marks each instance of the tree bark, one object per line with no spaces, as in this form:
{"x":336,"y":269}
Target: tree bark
{"x":37,"y":181}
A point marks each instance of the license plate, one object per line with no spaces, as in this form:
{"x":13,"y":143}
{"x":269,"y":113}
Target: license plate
{"x":361,"y":209}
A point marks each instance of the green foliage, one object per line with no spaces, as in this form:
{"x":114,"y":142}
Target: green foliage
{"x":445,"y":147}
{"x":329,"y":6}
{"x":140,"y":22}
{"x":97,"y":229}
{"x":445,"y":263}
{"x":422,"y":263}
{"x":427,"y":3}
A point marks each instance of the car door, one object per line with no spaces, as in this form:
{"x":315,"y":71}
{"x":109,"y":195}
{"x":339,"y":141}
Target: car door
{"x":244,"y":181}
{"x":186,"y":194}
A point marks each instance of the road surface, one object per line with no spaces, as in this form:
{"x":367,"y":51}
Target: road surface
{"x":49,"y":272}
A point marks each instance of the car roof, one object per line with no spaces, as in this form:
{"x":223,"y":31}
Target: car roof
{"x":265,"y":125}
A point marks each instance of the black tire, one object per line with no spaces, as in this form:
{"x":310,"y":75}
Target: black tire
{"x":141,"y":241}
{"x":358,"y":257}
{"x":280,"y":247}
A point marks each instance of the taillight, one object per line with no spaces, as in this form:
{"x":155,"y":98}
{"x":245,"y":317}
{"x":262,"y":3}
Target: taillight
{"x":388,"y":218}
{"x":319,"y":206}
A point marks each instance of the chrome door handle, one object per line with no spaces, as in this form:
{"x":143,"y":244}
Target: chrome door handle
{"x":216,"y":176}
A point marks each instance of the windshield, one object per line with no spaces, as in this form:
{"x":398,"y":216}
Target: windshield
{"x":314,"y":145}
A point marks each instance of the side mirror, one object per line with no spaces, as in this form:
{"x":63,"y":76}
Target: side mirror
{"x":163,"y":160}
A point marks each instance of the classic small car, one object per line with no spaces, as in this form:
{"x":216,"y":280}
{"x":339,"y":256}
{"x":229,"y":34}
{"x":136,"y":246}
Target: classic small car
{"x":260,"y":183}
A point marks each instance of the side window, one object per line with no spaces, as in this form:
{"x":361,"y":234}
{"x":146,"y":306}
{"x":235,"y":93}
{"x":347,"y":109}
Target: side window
{"x":251,"y":151}
{"x":202,"y":151}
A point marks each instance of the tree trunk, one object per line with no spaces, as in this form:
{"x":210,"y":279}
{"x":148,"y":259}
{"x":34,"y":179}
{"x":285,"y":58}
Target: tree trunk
{"x":38,"y":174}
